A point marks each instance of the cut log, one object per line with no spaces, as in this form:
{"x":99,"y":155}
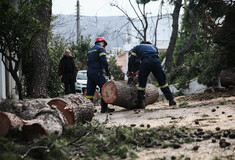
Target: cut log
{"x":9,"y":123}
{"x":227,"y":77}
{"x":64,"y":108}
{"x":45,"y":116}
{"x":75,"y":107}
{"x":124,"y":95}
{"x":48,"y":121}
{"x":33,"y":128}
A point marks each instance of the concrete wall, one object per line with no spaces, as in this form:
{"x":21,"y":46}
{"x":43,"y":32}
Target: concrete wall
{"x":194,"y":87}
{"x":122,"y":61}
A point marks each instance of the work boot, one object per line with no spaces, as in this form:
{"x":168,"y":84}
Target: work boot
{"x":141,"y":104}
{"x":105,"y":108}
{"x":172,"y":102}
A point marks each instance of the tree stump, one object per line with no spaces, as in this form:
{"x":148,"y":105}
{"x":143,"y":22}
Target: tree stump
{"x":125,"y":95}
{"x":227,"y":77}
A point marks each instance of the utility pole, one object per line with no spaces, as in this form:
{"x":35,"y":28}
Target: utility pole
{"x":78,"y":21}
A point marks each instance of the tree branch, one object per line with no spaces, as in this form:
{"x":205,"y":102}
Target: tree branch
{"x":159,"y":16}
{"x":137,"y":13}
{"x":35,"y":147}
{"x":128,"y":18}
{"x":186,"y":48}
{"x":174,"y":35}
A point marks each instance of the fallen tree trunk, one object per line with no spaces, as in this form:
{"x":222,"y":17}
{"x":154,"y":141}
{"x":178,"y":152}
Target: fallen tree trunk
{"x":227,"y":77}
{"x":124,"y":95}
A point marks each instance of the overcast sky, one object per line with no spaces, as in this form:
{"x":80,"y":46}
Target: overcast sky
{"x":97,"y":7}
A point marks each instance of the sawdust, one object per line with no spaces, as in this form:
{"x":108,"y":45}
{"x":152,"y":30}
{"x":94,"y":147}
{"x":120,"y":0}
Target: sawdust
{"x":209,"y":114}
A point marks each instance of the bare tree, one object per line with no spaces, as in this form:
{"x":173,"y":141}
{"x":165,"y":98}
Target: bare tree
{"x":141,"y":17}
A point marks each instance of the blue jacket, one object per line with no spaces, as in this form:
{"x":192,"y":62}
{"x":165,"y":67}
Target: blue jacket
{"x":97,"y":59}
{"x":138,"y":52}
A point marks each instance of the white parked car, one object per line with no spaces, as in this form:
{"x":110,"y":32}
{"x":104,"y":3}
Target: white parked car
{"x":81,"y":81}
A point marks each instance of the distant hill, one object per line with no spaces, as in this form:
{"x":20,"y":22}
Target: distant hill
{"x":112,"y":28}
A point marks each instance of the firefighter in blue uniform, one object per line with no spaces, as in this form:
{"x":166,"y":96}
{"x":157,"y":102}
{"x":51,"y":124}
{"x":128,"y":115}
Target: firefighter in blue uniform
{"x":97,"y":62}
{"x":148,"y":54}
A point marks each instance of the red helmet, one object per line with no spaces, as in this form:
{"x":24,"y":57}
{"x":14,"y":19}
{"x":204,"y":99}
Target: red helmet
{"x":101,"y":39}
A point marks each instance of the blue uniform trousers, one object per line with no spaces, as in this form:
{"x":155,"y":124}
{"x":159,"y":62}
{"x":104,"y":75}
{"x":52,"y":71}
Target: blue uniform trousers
{"x":94,"y":78}
{"x":151,"y":64}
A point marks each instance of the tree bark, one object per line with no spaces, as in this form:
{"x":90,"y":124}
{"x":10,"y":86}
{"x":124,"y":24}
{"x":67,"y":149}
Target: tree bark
{"x":227,"y":77}
{"x":124,"y":95}
{"x":48,"y":121}
{"x":25,"y":109}
{"x":40,"y":53}
{"x":174,"y":35}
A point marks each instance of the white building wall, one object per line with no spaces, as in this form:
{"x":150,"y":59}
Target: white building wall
{"x":2,"y":80}
{"x":7,"y":83}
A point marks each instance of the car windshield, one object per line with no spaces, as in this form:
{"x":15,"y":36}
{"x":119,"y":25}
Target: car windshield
{"x":82,"y":75}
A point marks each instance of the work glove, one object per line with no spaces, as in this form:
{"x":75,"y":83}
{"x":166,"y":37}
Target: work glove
{"x":128,"y":73}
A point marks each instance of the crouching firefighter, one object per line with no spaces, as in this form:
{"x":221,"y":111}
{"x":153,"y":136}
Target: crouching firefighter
{"x":97,"y":62}
{"x":148,"y":55}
